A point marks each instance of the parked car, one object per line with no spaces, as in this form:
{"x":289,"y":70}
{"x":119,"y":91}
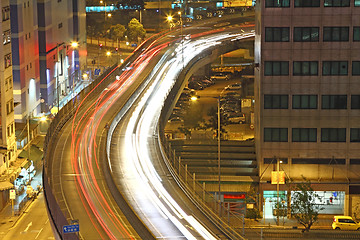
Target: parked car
{"x":345,"y":223}
{"x":220,"y":76}
{"x":239,"y":119}
{"x":235,"y":86}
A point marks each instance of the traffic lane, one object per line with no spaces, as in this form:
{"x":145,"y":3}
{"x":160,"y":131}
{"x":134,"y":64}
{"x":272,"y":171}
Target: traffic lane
{"x":33,"y":224}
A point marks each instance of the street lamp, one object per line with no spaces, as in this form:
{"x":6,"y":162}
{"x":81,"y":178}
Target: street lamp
{"x":278,"y":190}
{"x":195,"y":98}
{"x":169,"y":19}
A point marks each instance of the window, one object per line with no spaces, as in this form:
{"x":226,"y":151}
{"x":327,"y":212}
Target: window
{"x":6,"y":37}
{"x":60,"y":25}
{"x":326,"y":161}
{"x":333,"y":134}
{"x":275,"y":134}
{"x":7,"y":60}
{"x":276,"y":68}
{"x":306,"y":34}
{"x":357,"y":3}
{"x":277,"y":3}
{"x":5,"y":13}
{"x":10,"y":106}
{"x":355,"y":161}
{"x":304,"y":102}
{"x":355,"y":101}
{"x":335,"y":68}
{"x":274,"y":160}
{"x":336,"y":34}
{"x":307,"y":3}
{"x":354,"y":134}
{"x":276,"y":101}
{"x":305,"y":68}
{"x":356,"y":68}
{"x":277,"y":34}
{"x":356,"y":36}
{"x":334,"y":102}
{"x":304,"y":134}
{"x":336,"y":3}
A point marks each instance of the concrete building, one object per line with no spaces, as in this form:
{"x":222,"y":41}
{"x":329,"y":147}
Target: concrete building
{"x":307,"y":87}
{"x":7,"y":124}
{"x":45,"y":66}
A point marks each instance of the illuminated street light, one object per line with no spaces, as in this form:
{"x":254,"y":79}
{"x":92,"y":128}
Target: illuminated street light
{"x":85,"y":76}
{"x":43,"y":118}
{"x":109,"y":15}
{"x":170,"y":18}
{"x":108,"y":53}
{"x":74,"y":44}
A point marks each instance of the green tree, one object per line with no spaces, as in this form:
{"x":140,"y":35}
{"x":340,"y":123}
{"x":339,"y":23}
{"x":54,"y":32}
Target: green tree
{"x":303,"y":204}
{"x":135,"y":30}
{"x":117,"y":32}
{"x":213,"y":121}
{"x":252,"y":198}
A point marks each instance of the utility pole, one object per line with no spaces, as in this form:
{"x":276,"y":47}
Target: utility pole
{"x":219,"y":163}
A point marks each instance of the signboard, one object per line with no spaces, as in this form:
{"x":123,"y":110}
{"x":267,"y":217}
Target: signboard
{"x":97,"y":71}
{"x":71,"y":228}
{"x":12,"y":194}
{"x":275,"y":175}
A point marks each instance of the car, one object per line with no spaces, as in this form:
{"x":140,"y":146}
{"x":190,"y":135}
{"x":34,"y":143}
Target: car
{"x":220,"y":76}
{"x":344,"y":223}
{"x":238,"y":119}
{"x":235,"y":86}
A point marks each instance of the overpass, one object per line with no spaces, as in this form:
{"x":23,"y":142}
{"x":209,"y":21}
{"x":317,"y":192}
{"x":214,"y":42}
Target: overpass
{"x":80,"y":179}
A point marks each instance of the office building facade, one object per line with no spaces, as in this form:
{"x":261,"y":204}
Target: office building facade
{"x":307,"y":86}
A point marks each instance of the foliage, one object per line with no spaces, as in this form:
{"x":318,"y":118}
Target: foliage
{"x":130,"y":4}
{"x":135,"y":30}
{"x":213,"y":121}
{"x":252,"y":197}
{"x":117,"y":32}
{"x":186,"y":131}
{"x":303,"y":206}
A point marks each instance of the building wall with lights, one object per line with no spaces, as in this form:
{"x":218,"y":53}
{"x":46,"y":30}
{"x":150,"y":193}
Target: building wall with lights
{"x":44,"y":65}
{"x":308,"y":94}
{"x":7,"y":124}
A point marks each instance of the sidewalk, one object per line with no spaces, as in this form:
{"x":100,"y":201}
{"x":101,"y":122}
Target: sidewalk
{"x":323,"y":222}
{"x":8,"y":216}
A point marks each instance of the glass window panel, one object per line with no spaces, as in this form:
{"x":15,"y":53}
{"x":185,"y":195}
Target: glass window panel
{"x":284,"y":68}
{"x":268,"y":35}
{"x":355,"y":101}
{"x":313,"y":102}
{"x":277,"y":34}
{"x":267,"y":134}
{"x":283,"y":134}
{"x":296,"y":101}
{"x":295,"y":134}
{"x":284,"y":102}
{"x":315,"y":34}
{"x":356,"y":68}
{"x":304,"y":135}
{"x":344,"y":34}
{"x":356,"y":36}
{"x":357,"y":3}
{"x":268,"y":69}
{"x":285,"y":34}
{"x":343,"y":68}
{"x":276,"y":68}
{"x":267,"y":102}
{"x":276,"y":135}
{"x":305,"y":68}
{"x":326,"y":68}
{"x":312,"y":135}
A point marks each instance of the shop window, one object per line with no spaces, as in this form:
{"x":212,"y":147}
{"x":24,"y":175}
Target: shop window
{"x":277,"y":3}
{"x":355,"y":101}
{"x":304,"y":135}
{"x":333,"y":101}
{"x":336,"y":3}
{"x":307,"y":3}
{"x":356,"y":36}
{"x":276,"y":68}
{"x":305,"y":68}
{"x":333,"y":135}
{"x":306,"y":34}
{"x":277,"y":34}
{"x":336,"y":34}
{"x":335,"y":68}
{"x":275,"y":101}
{"x":356,"y":68}
{"x":354,"y":134}
{"x":275,"y":134}
{"x":304,"y":102}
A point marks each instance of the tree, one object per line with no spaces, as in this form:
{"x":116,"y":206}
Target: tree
{"x":213,"y":121}
{"x":117,"y":32}
{"x":135,"y":30}
{"x":252,"y":198}
{"x":303,"y":204}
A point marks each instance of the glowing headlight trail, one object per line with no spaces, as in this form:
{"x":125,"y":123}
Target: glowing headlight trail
{"x":141,"y":129}
{"x":84,"y":151}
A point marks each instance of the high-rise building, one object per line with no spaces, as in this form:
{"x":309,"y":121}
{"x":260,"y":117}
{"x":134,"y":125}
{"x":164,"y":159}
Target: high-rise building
{"x":7,"y":125}
{"x":45,"y":65}
{"x":307,"y":91}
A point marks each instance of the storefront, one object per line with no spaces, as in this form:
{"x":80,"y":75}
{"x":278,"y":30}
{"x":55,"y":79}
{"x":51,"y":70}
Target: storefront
{"x":332,"y":202}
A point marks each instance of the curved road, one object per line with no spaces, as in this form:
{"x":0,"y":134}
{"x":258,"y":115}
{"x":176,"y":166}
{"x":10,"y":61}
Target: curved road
{"x":79,"y":182}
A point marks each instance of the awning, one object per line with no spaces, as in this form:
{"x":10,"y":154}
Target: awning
{"x":6,"y":185}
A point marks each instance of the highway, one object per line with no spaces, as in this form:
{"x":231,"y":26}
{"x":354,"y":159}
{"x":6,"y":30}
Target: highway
{"x":134,"y":98}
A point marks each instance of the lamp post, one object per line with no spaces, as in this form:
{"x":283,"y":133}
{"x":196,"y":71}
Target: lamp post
{"x":195,"y":98}
{"x":169,"y":18}
{"x":278,"y":190}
